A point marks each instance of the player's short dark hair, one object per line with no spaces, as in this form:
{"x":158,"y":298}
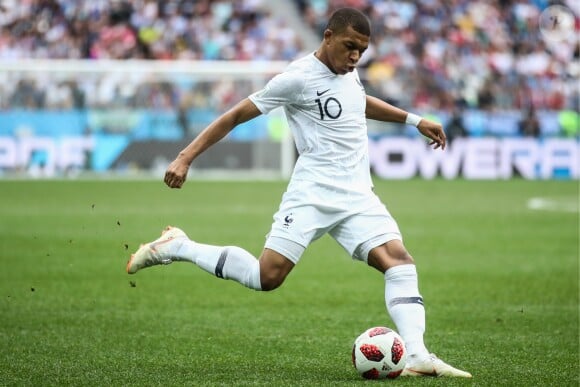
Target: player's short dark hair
{"x":342,"y":18}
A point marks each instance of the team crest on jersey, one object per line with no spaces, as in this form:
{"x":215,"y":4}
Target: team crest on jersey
{"x":288,"y":219}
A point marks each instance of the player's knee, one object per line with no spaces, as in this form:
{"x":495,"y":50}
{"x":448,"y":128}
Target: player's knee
{"x":388,"y":255}
{"x":397,"y":253}
{"x":272,"y":276}
{"x":274,"y":268}
{"x":271,"y":280}
{"x":404,"y":257}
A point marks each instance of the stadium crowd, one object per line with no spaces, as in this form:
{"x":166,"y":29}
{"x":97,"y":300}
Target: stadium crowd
{"x":138,"y":29}
{"x":143,"y":29}
{"x":432,"y":54}
{"x":481,"y":53}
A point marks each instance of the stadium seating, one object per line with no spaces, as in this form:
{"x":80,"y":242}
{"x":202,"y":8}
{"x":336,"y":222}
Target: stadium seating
{"x":486,"y":59}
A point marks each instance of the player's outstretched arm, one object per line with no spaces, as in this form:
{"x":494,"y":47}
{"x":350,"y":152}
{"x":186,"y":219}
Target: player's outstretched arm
{"x":176,"y":172}
{"x":377,"y":109}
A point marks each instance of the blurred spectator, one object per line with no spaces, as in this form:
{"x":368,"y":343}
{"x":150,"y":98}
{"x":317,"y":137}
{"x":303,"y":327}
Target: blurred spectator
{"x":529,"y":125}
{"x":486,"y":95}
{"x":455,"y":128}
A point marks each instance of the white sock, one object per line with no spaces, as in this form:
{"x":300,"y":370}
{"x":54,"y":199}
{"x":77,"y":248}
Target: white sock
{"x":227,"y":262}
{"x":405,"y":306}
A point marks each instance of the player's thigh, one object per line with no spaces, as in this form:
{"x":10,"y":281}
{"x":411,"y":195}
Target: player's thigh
{"x":305,"y":214}
{"x":359,"y":233}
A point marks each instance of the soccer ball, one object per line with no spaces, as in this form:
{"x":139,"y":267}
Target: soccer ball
{"x":379,"y":353}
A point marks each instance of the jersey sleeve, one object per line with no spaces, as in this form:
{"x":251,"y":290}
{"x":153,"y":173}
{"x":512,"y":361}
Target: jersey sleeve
{"x":284,"y":89}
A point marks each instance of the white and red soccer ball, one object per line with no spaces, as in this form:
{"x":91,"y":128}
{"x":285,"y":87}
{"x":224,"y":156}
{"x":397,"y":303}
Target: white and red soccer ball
{"x":379,"y":353}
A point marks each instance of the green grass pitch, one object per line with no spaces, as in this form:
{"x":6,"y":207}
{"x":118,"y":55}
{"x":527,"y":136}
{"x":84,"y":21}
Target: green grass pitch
{"x":499,"y":280}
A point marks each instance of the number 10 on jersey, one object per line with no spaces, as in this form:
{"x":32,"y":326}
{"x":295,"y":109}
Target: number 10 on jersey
{"x":331,"y":108}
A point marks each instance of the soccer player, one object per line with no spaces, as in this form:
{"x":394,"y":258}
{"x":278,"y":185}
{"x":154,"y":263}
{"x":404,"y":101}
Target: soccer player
{"x":330,"y":190}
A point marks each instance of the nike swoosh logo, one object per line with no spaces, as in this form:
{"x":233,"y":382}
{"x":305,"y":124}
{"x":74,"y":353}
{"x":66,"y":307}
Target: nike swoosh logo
{"x":319,"y":93}
{"x":153,"y":245}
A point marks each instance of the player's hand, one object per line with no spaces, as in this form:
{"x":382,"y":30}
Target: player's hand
{"x":433,"y":131}
{"x":176,"y":173}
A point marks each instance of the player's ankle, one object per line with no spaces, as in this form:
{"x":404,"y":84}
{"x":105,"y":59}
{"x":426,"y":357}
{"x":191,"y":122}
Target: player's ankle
{"x":417,"y":357}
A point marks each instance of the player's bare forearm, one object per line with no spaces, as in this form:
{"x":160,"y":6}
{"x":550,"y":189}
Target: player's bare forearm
{"x":377,"y":109}
{"x":214,"y":132}
{"x":177,"y":171}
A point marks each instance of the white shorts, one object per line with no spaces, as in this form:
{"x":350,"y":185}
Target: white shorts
{"x":358,"y":221}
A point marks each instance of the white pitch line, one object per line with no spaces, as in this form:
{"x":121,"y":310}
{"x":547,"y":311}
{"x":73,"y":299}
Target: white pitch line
{"x":552,"y":204}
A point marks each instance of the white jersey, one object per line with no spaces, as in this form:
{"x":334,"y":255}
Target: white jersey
{"x":326,"y":114}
